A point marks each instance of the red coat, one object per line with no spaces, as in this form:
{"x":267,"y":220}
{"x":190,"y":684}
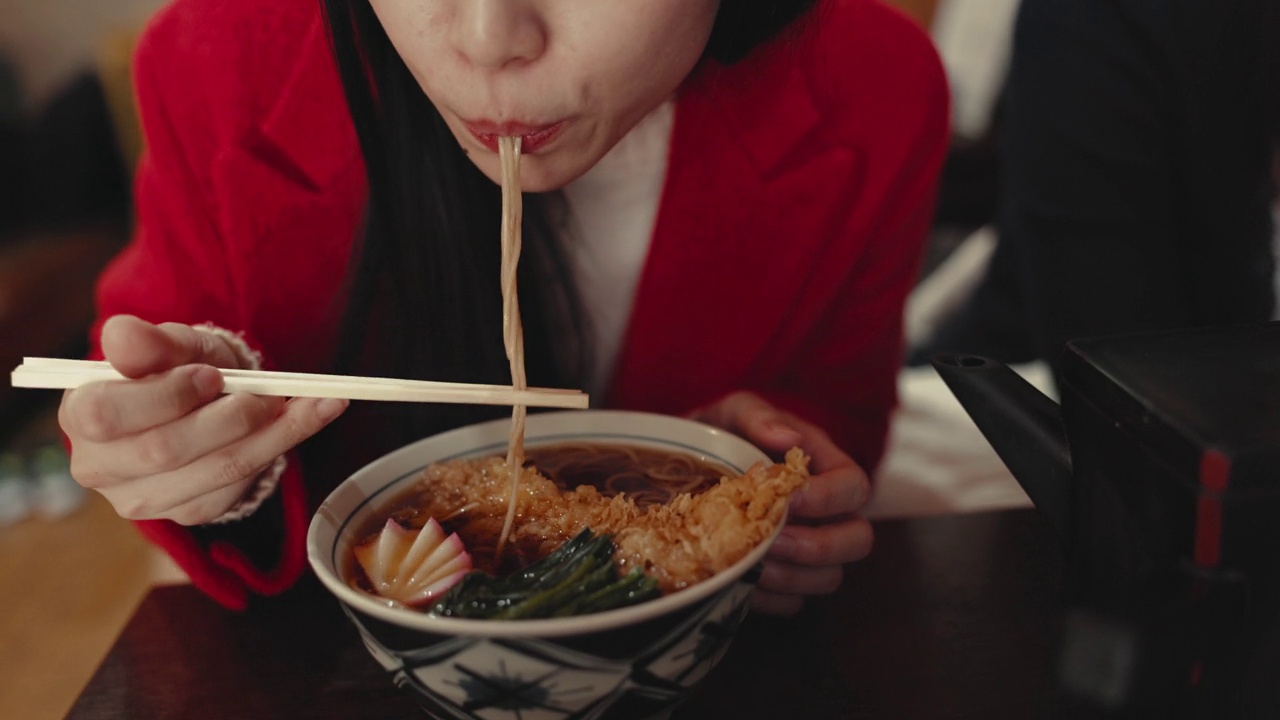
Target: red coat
{"x":790,"y":228}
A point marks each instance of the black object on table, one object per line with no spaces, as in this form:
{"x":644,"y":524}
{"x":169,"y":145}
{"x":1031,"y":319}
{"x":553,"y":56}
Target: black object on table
{"x":1161,"y":472}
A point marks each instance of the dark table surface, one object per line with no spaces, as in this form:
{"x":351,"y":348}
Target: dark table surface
{"x":951,"y":616}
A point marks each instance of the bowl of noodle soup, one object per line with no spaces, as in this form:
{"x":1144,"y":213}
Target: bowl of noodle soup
{"x":638,"y":660}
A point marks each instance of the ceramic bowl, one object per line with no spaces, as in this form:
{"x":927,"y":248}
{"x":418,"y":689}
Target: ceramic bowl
{"x":633,"y":662}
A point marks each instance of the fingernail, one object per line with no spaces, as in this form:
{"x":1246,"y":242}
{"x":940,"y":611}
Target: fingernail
{"x":783,"y":432}
{"x":330,"y":408}
{"x":208,"y":380}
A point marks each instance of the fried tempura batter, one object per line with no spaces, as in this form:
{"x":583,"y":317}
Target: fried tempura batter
{"x":680,"y":543}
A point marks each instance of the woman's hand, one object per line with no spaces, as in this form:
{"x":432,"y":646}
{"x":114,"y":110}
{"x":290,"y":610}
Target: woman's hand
{"x":167,"y":443}
{"x":823,"y":531}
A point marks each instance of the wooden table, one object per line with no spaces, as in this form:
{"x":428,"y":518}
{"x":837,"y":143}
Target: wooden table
{"x":952,"y":616}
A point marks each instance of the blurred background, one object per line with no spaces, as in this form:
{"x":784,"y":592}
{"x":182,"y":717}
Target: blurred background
{"x":68,"y":140}
{"x":73,"y":571}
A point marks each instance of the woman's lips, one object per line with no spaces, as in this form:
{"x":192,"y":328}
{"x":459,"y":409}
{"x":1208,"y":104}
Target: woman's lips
{"x":532,"y":137}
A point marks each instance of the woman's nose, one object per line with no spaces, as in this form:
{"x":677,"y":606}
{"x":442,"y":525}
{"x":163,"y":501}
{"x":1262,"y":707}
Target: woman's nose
{"x":497,"y":33}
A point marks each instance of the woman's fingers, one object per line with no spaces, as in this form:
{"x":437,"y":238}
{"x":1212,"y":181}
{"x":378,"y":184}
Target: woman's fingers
{"x":750,"y":416}
{"x":765,"y":425}
{"x":781,"y":577}
{"x":823,"y":532}
{"x":835,"y":543}
{"x":164,"y":444}
{"x":137,"y":348}
{"x":176,"y":444}
{"x":158,"y":496}
{"x":824,"y":454}
{"x":809,"y":562}
{"x":186,"y":500}
{"x":105,"y":411}
{"x":210,"y":507}
{"x":771,"y":603}
{"x":837,"y":492}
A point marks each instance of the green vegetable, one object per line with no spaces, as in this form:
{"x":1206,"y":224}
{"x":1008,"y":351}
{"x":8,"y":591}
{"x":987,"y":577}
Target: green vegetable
{"x":578,"y":578}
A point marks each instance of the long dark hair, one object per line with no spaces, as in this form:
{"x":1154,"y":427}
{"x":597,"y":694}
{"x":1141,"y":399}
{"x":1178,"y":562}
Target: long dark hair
{"x":424,"y":298}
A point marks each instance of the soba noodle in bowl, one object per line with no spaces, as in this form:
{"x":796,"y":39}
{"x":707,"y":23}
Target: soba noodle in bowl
{"x":701,"y":539}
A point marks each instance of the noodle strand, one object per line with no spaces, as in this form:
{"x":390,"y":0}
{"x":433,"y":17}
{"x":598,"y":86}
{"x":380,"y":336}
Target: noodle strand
{"x":512,"y":329}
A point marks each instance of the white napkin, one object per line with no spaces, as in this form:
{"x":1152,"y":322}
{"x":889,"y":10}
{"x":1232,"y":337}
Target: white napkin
{"x":938,"y":461}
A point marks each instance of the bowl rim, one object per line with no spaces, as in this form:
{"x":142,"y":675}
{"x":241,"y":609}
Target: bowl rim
{"x":323,"y":560}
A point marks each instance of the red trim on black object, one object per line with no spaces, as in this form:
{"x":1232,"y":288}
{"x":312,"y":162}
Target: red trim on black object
{"x":1215,"y":473}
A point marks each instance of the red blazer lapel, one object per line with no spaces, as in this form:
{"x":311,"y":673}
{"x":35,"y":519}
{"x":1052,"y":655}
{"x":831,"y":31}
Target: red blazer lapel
{"x":301,"y":136}
{"x":294,"y":180}
{"x":741,"y":150}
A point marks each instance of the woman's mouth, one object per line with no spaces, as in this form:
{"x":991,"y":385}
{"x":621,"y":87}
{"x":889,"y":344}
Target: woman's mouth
{"x":532,"y":137}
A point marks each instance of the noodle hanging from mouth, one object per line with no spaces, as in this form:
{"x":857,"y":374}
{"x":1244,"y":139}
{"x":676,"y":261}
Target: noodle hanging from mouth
{"x":512,"y":329}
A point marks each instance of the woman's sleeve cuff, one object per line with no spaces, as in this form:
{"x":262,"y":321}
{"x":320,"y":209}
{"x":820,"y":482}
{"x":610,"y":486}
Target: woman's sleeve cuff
{"x":261,"y":489}
{"x":265,"y":484}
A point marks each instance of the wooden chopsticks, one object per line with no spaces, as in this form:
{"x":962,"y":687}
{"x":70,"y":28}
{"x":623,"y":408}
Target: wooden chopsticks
{"x":61,"y":374}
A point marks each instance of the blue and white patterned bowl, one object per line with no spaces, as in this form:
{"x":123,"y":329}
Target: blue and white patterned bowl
{"x":634,"y":662}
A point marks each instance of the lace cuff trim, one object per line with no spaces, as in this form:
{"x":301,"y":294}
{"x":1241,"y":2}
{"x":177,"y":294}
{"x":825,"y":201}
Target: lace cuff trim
{"x":265,"y":484}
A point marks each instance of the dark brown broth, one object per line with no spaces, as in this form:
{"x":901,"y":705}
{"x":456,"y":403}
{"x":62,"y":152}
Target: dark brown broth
{"x":648,"y":476}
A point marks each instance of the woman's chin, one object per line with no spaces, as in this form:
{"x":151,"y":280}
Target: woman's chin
{"x":537,"y":173}
{"x":538,"y":177}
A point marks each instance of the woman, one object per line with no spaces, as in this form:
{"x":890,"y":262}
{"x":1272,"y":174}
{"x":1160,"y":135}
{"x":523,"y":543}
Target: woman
{"x":728,"y":208}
